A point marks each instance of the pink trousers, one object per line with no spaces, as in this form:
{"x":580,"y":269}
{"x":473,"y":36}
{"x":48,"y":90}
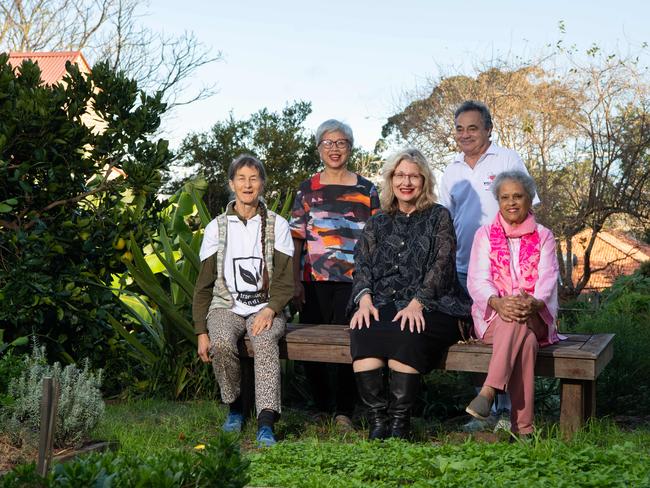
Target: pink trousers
{"x":512,"y":366}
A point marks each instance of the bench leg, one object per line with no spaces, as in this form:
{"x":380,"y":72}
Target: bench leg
{"x":590,"y":399}
{"x":247,"y":391}
{"x":577,"y":404}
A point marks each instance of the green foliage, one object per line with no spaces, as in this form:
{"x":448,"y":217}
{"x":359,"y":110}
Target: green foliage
{"x":61,"y":217}
{"x":157,"y":294}
{"x":10,"y":365}
{"x":278,"y":139}
{"x":311,"y":455}
{"x":218,"y":464}
{"x":624,"y":385}
{"x":80,"y":405}
{"x":543,"y":462}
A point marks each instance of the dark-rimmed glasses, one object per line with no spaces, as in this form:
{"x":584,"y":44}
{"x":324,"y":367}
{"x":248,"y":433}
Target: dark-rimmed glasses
{"x":329,"y":144}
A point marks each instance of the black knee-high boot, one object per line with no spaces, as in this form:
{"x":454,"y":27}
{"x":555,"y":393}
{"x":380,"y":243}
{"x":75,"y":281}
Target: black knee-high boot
{"x":403,"y":389}
{"x":371,"y":391}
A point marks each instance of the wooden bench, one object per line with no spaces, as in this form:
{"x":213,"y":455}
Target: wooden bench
{"x":577,"y":362}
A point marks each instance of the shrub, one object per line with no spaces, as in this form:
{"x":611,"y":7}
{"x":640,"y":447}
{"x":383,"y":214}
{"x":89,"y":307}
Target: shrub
{"x":80,"y":404}
{"x":218,"y":464}
{"x":624,"y":385}
{"x":10,"y":366}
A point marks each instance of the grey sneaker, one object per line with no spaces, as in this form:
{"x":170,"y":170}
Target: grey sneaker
{"x":477,"y":425}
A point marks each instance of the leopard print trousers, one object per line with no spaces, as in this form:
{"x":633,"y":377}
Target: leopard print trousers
{"x":224,"y":330}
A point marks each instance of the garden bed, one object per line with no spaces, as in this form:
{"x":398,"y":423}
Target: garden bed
{"x":11,"y":456}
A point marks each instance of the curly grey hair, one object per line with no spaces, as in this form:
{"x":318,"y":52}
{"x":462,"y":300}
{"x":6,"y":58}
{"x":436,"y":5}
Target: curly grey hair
{"x":524,"y":179}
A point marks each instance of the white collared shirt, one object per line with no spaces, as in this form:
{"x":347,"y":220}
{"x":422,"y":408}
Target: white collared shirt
{"x":467,"y":194}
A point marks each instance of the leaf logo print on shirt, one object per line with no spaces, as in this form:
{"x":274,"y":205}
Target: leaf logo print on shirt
{"x":247,"y":276}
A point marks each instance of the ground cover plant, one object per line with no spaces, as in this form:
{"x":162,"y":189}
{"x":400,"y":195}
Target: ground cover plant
{"x":314,"y":454}
{"x":159,"y":440}
{"x":217,"y":463}
{"x":543,"y":462}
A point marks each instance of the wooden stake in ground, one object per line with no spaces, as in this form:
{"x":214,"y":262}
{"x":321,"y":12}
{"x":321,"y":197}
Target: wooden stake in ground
{"x":49,"y":403}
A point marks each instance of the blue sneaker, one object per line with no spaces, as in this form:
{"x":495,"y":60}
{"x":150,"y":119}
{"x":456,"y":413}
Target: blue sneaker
{"x":233,"y":422}
{"x":265,"y":437}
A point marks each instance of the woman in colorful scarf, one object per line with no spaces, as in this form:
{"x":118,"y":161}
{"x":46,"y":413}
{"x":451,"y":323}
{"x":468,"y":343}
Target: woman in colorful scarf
{"x":512,"y":278}
{"x":244,"y":282}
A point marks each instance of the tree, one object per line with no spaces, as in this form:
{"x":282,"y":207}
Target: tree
{"x":581,"y":129}
{"x":613,"y":145}
{"x":278,"y":139}
{"x":107,"y":30}
{"x":64,"y":221}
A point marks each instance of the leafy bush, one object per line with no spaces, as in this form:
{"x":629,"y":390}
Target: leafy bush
{"x":80,"y":404}
{"x":63,"y":221}
{"x":219,"y":463}
{"x":10,"y":366}
{"x":624,"y":385}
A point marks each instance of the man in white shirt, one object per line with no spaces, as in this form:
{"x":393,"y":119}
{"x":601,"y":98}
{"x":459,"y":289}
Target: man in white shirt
{"x":465,"y":184}
{"x":465,"y":191}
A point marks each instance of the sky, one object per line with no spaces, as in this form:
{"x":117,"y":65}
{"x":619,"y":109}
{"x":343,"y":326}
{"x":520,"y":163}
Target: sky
{"x":361,"y":61}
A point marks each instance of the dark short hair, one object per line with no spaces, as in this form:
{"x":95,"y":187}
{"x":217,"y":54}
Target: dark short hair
{"x":246,"y":160}
{"x":481,"y":108}
{"x":524,"y":179}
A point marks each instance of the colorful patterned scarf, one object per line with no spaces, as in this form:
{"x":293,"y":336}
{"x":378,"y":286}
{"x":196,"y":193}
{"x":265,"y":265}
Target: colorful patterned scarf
{"x":529,"y":254}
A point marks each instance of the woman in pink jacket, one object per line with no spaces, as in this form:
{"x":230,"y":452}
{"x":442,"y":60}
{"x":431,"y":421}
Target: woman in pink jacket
{"x":512,"y":278}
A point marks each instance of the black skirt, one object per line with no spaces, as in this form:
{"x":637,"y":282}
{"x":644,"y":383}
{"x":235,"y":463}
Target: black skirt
{"x":385,"y":340}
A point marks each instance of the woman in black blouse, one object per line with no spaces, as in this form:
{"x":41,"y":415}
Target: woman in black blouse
{"x":405,"y":296}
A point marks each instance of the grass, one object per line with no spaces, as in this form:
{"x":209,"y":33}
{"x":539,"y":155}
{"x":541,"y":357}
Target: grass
{"x":151,"y":426}
{"x":316,"y":454}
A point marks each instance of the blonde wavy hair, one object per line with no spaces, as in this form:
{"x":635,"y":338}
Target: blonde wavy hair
{"x":428,"y":196}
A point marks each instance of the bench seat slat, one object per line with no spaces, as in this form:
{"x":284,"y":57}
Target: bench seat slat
{"x":581,"y":356}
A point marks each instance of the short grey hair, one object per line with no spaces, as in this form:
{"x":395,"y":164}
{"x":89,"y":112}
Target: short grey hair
{"x":520,"y":177}
{"x":481,"y":108}
{"x":246,"y":160}
{"x":333,"y":125}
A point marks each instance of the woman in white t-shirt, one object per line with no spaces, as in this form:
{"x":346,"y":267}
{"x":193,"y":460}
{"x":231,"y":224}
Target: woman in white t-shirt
{"x":244,"y":283}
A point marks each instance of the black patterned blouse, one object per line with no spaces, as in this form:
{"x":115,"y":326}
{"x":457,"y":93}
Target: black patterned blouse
{"x":400,"y":257}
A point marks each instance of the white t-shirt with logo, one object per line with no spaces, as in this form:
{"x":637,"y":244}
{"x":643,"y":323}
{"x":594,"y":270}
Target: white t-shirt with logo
{"x":243,"y":263}
{"x":467,"y":193}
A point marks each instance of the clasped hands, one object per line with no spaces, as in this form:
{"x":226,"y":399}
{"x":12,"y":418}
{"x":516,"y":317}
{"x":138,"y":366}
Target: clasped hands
{"x":516,"y":308}
{"x":410,"y":316}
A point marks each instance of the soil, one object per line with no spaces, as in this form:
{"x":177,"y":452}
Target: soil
{"x":10,"y":455}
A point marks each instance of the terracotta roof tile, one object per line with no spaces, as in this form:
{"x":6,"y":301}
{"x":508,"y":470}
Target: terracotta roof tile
{"x":613,"y":254}
{"x":52,"y":64}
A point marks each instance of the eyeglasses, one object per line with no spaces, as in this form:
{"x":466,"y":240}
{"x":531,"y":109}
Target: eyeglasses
{"x":399,"y":177}
{"x":340,"y":144}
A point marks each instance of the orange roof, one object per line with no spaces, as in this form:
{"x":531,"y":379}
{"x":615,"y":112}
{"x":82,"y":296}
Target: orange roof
{"x":613,"y":254}
{"x":52,"y":64}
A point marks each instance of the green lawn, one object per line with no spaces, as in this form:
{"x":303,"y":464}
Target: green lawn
{"x":314,"y":455}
